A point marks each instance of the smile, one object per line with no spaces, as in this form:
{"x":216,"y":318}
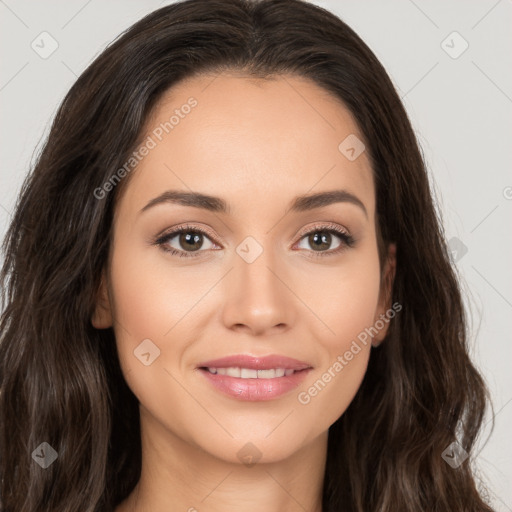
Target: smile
{"x":249,"y":373}
{"x":254,"y":378}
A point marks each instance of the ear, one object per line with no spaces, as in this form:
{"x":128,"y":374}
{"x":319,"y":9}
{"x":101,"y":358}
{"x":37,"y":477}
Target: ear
{"x":385,"y":297}
{"x":102,"y":315}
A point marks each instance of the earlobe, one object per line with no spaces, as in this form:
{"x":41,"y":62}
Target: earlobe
{"x":385,"y":298}
{"x":102,"y":315}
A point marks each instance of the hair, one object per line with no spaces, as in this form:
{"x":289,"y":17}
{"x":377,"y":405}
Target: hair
{"x":60,"y":378}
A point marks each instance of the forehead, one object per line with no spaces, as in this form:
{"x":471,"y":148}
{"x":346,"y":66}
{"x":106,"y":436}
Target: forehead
{"x":251,"y":141}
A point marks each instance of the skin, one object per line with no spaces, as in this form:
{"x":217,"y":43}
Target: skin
{"x":232,"y":145}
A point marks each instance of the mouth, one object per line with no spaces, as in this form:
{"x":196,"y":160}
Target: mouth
{"x":250,"y":378}
{"x":251,"y":373}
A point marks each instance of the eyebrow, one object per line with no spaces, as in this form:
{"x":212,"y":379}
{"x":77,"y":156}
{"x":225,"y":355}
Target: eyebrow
{"x":218,"y":205}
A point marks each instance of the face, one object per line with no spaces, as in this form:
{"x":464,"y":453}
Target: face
{"x":280,"y":284}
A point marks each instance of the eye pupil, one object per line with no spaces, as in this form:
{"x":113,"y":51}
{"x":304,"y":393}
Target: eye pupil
{"x":320,"y":238}
{"x":188,"y":240}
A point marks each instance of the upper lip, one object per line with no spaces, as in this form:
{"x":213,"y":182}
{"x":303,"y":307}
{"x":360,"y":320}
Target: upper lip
{"x":256,"y":362}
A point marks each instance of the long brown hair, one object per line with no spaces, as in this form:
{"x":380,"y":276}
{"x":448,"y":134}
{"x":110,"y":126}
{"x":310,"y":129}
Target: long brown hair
{"x":60,"y":377}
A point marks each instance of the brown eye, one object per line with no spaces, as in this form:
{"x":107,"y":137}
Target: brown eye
{"x":319,"y":241}
{"x":190,"y":240}
{"x":185,"y":240}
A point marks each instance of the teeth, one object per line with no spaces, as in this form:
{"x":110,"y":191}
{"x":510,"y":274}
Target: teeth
{"x":233,"y":372}
{"x":248,"y":373}
{"x":266,"y":374}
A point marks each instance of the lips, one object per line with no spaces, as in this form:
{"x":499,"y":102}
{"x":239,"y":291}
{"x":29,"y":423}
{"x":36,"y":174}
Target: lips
{"x":253,"y":378}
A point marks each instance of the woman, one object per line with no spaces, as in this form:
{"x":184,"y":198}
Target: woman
{"x":227,"y":287}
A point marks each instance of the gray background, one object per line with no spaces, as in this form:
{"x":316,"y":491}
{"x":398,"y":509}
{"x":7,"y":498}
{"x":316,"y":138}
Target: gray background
{"x":460,"y":104}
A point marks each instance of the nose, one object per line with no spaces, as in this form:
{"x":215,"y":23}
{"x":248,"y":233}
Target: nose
{"x":257,"y":296}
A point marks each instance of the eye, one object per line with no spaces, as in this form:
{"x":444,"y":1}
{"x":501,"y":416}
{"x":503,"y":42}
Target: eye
{"x":320,"y":237}
{"x":189,"y":240}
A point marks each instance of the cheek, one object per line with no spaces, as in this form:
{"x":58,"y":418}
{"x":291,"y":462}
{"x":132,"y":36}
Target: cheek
{"x":150,"y":315}
{"x":327,"y":395}
{"x":332,"y":386}
{"x":347,"y":307}
{"x":344,"y":299}
{"x":151,"y":298}
{"x":350,"y":301}
{"x":145,"y":310}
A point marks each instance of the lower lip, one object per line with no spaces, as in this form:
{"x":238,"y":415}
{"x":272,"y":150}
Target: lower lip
{"x":255,"y":390}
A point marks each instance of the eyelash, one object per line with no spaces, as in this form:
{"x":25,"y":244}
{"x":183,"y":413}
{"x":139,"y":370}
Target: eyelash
{"x":347,"y":241}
